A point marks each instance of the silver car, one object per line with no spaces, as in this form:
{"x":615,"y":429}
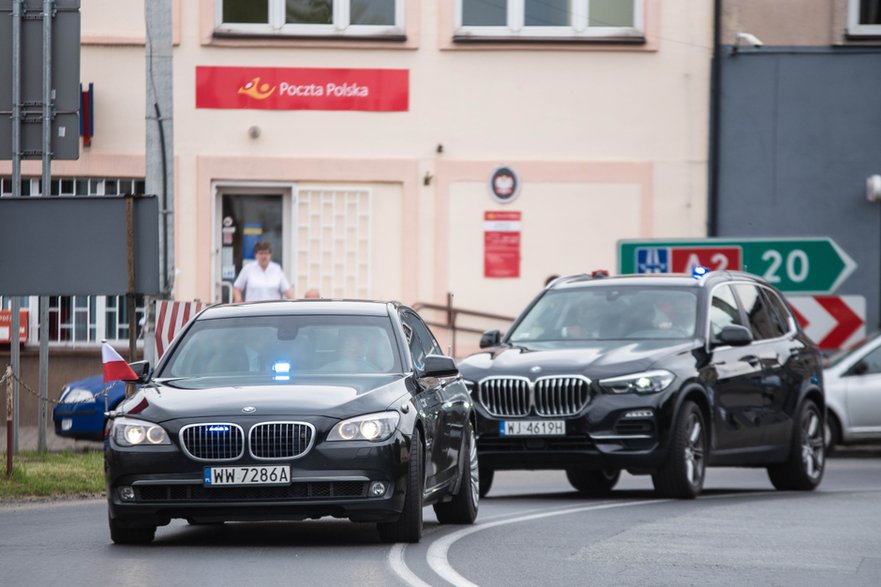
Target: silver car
{"x":853,"y":394}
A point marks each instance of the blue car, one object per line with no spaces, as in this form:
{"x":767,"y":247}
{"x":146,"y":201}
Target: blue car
{"x":80,"y":410}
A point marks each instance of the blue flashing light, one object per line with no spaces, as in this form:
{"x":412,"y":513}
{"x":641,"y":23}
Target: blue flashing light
{"x":218,"y":428}
{"x":281,"y":368}
{"x":699,"y":271}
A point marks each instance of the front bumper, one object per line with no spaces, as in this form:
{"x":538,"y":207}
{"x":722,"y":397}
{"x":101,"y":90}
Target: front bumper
{"x":332,"y":479}
{"x":612,"y":431}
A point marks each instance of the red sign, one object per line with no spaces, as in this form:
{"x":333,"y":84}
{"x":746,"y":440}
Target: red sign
{"x":833,"y":322}
{"x":501,"y":244}
{"x":300,"y":88}
{"x":684,"y":259}
{"x":6,"y":326}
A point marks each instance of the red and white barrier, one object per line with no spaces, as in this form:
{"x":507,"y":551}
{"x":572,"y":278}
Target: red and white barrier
{"x":171,"y":317}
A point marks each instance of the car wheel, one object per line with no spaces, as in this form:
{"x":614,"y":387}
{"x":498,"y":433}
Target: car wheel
{"x":807,"y":455}
{"x":125,"y":535}
{"x":682,"y":476}
{"x":408,"y":527}
{"x":591,"y":481}
{"x":462,"y":509}
{"x":486,"y":480}
{"x":832,"y":434}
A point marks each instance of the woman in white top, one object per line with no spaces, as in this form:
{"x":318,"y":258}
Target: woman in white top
{"x":263,"y":280}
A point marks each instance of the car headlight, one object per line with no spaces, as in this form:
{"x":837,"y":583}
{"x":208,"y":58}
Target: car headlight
{"x":373,"y":427}
{"x":646,"y":382}
{"x":131,"y":432}
{"x":77,"y":395}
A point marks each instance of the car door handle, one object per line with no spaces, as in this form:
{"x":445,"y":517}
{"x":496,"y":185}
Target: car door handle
{"x":751,"y":359}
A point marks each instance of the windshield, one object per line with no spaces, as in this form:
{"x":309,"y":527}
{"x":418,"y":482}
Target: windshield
{"x":609,"y":313}
{"x":282,"y":347}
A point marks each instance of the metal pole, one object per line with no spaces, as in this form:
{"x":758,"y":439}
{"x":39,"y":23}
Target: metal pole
{"x":48,"y":113}
{"x":130,"y":297}
{"x":14,"y":351}
{"x":9,"y":440}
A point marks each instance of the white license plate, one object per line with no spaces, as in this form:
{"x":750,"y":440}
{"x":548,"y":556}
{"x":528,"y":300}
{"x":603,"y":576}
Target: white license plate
{"x":275,"y":475}
{"x":532,"y":428}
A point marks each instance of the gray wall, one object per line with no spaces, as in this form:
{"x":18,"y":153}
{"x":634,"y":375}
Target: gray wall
{"x":799,"y":132}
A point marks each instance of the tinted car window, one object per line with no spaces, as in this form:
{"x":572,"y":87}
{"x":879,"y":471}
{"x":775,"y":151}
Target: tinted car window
{"x":872,"y":361}
{"x":778,"y":310}
{"x":723,"y":310}
{"x":609,"y":313}
{"x":421,"y":341}
{"x":762,"y":320}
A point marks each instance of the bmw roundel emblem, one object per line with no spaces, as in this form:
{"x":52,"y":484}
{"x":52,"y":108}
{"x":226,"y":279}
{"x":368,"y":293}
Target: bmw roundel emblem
{"x":535,"y":369}
{"x":249,"y":410}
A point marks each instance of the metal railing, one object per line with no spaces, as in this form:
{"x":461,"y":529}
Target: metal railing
{"x":452,"y":316}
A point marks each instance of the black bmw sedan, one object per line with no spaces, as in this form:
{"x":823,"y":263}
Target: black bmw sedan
{"x":292,"y":410}
{"x":658,"y":375}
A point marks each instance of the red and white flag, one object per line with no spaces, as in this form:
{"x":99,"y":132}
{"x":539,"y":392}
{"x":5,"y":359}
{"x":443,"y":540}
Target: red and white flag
{"x":115,"y":366}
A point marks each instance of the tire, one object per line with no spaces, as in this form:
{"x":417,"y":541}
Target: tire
{"x":833,"y":432}
{"x":486,"y":480}
{"x":462,"y":509}
{"x":123,"y":535}
{"x":408,"y":527}
{"x":591,"y":481}
{"x":682,"y":476}
{"x":803,"y":471}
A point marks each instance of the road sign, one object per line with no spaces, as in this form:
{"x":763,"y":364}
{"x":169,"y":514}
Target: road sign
{"x":833,"y":322}
{"x":813,"y":265}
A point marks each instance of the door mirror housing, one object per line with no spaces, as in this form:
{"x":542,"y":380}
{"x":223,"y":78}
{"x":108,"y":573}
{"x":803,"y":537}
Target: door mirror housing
{"x":439,"y":366}
{"x":142,"y":370}
{"x":735,"y":335}
{"x":490,"y":338}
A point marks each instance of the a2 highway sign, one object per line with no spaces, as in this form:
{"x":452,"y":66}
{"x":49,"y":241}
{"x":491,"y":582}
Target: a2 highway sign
{"x":813,"y":265}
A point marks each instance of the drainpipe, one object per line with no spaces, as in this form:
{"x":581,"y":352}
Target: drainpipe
{"x":715,"y":115}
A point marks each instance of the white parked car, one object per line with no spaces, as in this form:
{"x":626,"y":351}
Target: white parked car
{"x":853,"y":394}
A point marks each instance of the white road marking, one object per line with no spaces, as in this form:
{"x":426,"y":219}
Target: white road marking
{"x":438,"y":551}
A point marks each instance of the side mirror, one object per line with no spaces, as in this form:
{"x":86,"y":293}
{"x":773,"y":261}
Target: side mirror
{"x":735,"y":335}
{"x":439,"y":366}
{"x":490,"y":338}
{"x":142,"y":370}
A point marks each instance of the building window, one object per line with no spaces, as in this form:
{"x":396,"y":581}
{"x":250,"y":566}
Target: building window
{"x":550,"y":19}
{"x":319,"y":18}
{"x":78,"y":320}
{"x":864,"y":17}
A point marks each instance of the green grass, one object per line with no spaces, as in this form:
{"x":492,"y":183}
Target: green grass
{"x":53,"y":474}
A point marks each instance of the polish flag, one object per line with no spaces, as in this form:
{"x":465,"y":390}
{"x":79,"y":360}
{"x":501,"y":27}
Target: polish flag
{"x":115,"y":366}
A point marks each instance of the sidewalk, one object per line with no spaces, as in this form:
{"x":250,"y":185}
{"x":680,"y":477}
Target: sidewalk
{"x":28,"y":440}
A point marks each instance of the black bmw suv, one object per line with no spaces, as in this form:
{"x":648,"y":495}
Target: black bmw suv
{"x":654,"y":374}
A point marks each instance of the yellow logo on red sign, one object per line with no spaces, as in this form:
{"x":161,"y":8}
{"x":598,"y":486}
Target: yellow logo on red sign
{"x":256,"y":90}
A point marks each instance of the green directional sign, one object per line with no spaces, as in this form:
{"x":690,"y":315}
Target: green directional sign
{"x":810,"y":265}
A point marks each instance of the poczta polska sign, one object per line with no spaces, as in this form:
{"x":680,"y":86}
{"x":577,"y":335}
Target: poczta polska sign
{"x":796,"y":265}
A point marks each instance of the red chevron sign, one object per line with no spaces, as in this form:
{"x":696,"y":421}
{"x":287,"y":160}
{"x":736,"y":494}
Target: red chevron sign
{"x":833,"y":322}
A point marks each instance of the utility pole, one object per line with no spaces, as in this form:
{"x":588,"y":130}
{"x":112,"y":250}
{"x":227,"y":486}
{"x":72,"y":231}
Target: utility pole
{"x":160,"y":148}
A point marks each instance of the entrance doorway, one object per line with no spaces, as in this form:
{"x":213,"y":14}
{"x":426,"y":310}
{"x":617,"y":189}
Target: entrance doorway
{"x":247,"y":217}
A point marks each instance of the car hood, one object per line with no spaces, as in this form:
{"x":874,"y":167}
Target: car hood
{"x":594,"y":359}
{"x":163,"y":401}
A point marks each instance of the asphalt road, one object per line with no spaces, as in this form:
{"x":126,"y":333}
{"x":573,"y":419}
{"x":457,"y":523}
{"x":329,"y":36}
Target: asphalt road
{"x":532,"y":530}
